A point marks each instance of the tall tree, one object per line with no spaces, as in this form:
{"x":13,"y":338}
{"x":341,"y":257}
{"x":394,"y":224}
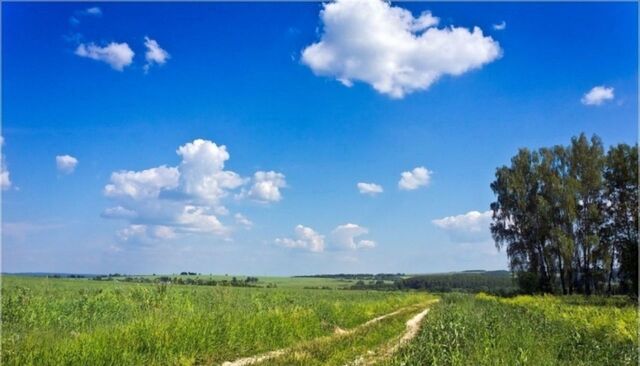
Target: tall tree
{"x":621,"y":192}
{"x":517,"y":219}
{"x":586,"y":167}
{"x":568,"y":217}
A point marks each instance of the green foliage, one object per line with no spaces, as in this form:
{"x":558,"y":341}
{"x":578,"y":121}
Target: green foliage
{"x":568,"y":217}
{"x":84,"y":322}
{"x":525,"y":330}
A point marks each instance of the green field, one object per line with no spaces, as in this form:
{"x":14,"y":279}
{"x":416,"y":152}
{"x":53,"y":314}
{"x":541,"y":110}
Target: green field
{"x":54,"y":321}
{"x":525,"y":330}
{"x":80,"y":321}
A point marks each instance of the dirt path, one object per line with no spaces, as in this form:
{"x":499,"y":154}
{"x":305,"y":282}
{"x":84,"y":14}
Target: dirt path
{"x":413,"y":326}
{"x":339,"y":332}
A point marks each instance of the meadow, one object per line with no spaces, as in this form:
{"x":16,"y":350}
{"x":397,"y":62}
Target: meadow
{"x":481,"y":329}
{"x":79,"y":321}
{"x":53,"y":321}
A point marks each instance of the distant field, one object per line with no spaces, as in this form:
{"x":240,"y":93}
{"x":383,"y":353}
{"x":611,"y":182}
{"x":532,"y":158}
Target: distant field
{"x":84,"y":322}
{"x":53,"y":321}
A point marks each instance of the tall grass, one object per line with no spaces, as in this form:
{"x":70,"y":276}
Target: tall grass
{"x":82,"y":322}
{"x":485,"y":330}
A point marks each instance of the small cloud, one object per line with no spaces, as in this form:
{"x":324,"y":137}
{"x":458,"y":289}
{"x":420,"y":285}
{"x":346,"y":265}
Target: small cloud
{"x":306,"y":238}
{"x":66,"y":164}
{"x":89,"y":12}
{"x":117,"y":55}
{"x":500,"y":26}
{"x":266,"y":186}
{"x":344,"y":236}
{"x":155,"y":54}
{"x":95,"y":11}
{"x":418,"y":177}
{"x":466,"y":228}
{"x":5,"y":181}
{"x":145,"y":233}
{"x":243,"y":221}
{"x":118,"y":212}
{"x":597,"y":95}
{"x":371,"y":189}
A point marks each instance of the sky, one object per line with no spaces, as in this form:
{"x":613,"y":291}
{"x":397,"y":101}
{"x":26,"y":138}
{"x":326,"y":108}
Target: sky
{"x":290,"y":138}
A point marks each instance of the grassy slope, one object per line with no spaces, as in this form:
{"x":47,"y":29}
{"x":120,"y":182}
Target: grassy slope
{"x":482,"y":330}
{"x":60,"y":321}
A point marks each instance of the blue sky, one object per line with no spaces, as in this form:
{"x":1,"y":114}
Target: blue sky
{"x":305,"y":116}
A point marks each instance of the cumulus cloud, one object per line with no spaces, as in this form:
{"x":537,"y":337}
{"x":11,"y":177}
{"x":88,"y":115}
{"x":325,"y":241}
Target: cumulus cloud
{"x":597,"y":95}
{"x":145,"y":233}
{"x":202,"y":171}
{"x":344,"y":237}
{"x":388,"y":48}
{"x":500,"y":26}
{"x":470,"y":227}
{"x":266,"y":186}
{"x":305,"y":238}
{"x":168,"y":201}
{"x":414,"y":179}
{"x":371,"y":189}
{"x":243,"y":221}
{"x":5,"y":180}
{"x":143,"y":184}
{"x":66,"y":164}
{"x":117,"y":55}
{"x":155,"y":54}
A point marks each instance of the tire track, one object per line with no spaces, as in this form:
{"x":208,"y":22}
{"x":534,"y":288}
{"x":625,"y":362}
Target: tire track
{"x":252,"y":360}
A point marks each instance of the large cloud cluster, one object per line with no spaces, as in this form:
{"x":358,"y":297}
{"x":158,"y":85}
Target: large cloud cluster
{"x":390,"y":49}
{"x":167,"y":201}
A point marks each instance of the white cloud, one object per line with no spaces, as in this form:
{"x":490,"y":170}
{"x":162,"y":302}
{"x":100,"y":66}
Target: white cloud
{"x":145,"y":233}
{"x":470,"y":227}
{"x":243,"y":221}
{"x":415,"y":179}
{"x":500,"y":26}
{"x":306,"y":238}
{"x":117,"y":55}
{"x":92,"y":11}
{"x":266,"y":186}
{"x":165,"y":202}
{"x":119,"y":212}
{"x":66,"y":164}
{"x":371,"y":189}
{"x":143,"y":184}
{"x":202,"y":171}
{"x":5,"y":180}
{"x":390,"y":49}
{"x":96,"y":11}
{"x":597,"y":95}
{"x":155,"y":54}
{"x":344,"y":237}
{"x":197,"y":219}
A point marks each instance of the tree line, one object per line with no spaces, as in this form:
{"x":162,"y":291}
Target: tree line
{"x":568,"y":217}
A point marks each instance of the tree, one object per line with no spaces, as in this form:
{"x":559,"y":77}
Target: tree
{"x":568,"y":217}
{"x":621,"y":191}
{"x":518,"y":218}
{"x":586,"y":163}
